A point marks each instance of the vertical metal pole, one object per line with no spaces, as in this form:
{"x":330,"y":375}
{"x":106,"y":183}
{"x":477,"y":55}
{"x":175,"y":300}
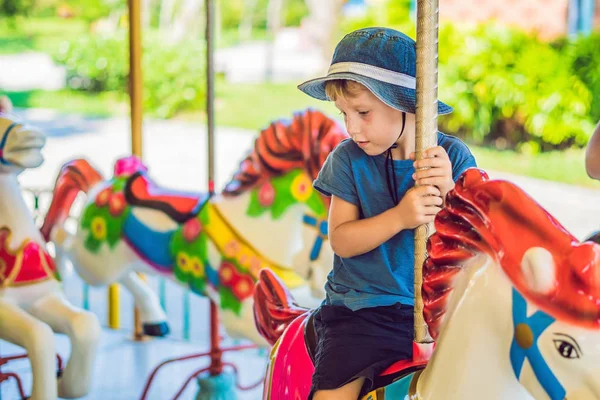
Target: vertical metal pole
{"x":135,"y":98}
{"x":210,"y":92}
{"x":426,"y":134}
{"x":216,"y":365}
{"x":135,"y":75}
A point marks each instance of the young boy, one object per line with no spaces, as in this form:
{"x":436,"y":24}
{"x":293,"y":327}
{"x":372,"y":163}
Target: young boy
{"x":366,"y":321}
{"x":592,"y":155}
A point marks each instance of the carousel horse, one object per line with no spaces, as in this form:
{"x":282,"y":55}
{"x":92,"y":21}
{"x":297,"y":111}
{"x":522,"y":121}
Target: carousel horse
{"x":268,"y":216}
{"x":512,"y":298}
{"x":32,"y":303}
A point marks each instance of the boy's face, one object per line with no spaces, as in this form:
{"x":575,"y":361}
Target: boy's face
{"x":371,"y":123}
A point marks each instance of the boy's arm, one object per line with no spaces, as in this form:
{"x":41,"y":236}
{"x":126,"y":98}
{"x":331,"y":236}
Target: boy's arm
{"x":350,"y":236}
{"x":592,"y":155}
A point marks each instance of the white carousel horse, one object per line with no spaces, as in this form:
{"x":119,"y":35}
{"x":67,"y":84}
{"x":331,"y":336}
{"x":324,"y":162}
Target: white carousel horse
{"x":511,"y":296}
{"x":268,"y":216}
{"x":32,"y":304}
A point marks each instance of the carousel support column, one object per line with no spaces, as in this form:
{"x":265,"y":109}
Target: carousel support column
{"x":135,"y":98}
{"x":217,"y":385}
{"x":426,"y":137}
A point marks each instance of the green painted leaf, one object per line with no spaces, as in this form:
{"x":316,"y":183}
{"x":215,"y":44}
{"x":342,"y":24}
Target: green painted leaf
{"x":204,"y":219}
{"x":180,"y":275}
{"x":316,"y":204}
{"x":254,"y":208}
{"x":198,"y":285}
{"x":88,"y":214}
{"x":119,"y":184}
{"x":229,"y":301}
{"x":92,"y":244}
{"x":278,"y":208}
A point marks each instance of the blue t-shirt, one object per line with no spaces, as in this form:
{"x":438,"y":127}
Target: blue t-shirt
{"x":384,"y":275}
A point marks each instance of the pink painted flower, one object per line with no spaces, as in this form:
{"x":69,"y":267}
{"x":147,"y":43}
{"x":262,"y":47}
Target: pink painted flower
{"x":255,"y":264}
{"x":127,"y":166}
{"x":266,"y":194}
{"x":191,"y":230}
{"x":231,"y":249}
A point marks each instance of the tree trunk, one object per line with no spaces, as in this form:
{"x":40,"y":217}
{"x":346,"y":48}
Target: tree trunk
{"x":245,"y":29}
{"x":166,"y":15}
{"x":274,"y":9}
{"x":321,"y":23}
{"x":189,"y":21}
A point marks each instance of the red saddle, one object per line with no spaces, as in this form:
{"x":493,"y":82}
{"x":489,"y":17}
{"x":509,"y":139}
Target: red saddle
{"x":180,"y":206}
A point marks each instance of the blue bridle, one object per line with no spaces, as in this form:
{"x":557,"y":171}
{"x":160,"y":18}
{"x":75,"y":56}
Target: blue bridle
{"x":321,"y":226}
{"x":528,"y":349}
{"x":3,"y":142}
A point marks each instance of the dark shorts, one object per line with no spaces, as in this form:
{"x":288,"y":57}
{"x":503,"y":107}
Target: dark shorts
{"x":363,"y":343}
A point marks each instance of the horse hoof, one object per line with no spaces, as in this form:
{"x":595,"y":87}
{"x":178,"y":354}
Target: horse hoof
{"x":159,"y":330}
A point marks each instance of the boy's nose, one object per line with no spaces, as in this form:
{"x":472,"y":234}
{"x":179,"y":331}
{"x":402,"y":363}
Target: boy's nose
{"x":352,"y":126}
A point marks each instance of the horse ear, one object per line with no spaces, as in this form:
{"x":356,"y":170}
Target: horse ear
{"x":539,"y":270}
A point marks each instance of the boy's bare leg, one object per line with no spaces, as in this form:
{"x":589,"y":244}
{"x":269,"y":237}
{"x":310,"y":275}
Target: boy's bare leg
{"x":349,"y":391}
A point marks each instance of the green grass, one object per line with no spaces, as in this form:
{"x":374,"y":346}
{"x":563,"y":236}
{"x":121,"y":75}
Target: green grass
{"x":559,"y":166}
{"x":102,"y":104}
{"x":253,"y":106}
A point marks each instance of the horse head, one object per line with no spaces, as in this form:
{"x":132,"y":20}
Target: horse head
{"x":20,"y":146}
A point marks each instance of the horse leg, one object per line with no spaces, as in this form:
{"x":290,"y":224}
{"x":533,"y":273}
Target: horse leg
{"x":83,"y":330}
{"x":154,"y":319}
{"x":22,"y":329}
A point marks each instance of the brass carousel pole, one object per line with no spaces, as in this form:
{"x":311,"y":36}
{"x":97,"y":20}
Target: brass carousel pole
{"x":426,"y":134}
{"x":135,"y":98}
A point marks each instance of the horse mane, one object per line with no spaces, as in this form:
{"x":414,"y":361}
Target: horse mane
{"x":305,"y":141}
{"x":500,"y":220}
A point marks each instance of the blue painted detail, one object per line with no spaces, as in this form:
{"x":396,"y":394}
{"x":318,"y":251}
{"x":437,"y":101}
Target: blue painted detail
{"x":3,"y":142}
{"x":538,"y":323}
{"x":154,"y":246}
{"x":323,"y":231}
{"x":212,"y":275}
{"x":399,"y":389}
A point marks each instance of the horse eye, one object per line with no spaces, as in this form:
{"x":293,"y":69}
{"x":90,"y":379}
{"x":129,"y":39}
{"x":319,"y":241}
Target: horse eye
{"x":566,"y":349}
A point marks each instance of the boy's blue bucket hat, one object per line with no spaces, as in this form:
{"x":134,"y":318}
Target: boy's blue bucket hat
{"x":382,"y":59}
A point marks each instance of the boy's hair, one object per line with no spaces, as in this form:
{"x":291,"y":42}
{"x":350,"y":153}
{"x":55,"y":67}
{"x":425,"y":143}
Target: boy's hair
{"x":342,"y":88}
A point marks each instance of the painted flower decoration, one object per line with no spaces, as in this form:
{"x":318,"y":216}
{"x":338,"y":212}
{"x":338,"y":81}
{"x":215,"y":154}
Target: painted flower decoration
{"x":191,"y":230}
{"x":227,"y":273}
{"x":127,"y":166}
{"x":184,"y":262}
{"x":196,"y":267}
{"x":103,"y":197}
{"x":301,"y":187}
{"x":266,"y":194}
{"x":255,"y":265}
{"x":116,"y":204}
{"x":115,"y":201}
{"x":232,"y":249}
{"x":98,"y":228}
{"x":244,"y":287}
